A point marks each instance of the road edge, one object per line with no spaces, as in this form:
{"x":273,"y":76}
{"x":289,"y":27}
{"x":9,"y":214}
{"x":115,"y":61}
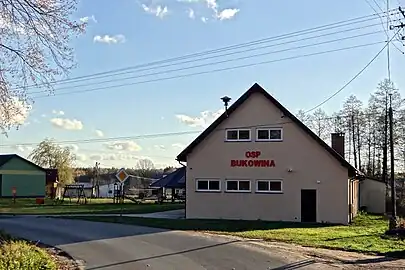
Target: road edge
{"x":331,"y":257}
{"x":58,"y":252}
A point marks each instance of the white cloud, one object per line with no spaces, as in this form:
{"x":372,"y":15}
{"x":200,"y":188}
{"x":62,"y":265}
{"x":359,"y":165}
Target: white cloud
{"x":86,"y":19}
{"x":158,"y":11}
{"x":58,"y":112}
{"x":80,"y":157}
{"x":99,"y":133}
{"x":113,"y":157}
{"x":43,"y":115}
{"x":13,"y":112}
{"x":206,"y":118}
{"x":68,"y":124}
{"x":191,"y":14}
{"x":178,"y":145}
{"x":160,"y":147}
{"x":23,"y":148}
{"x":110,"y":39}
{"x":227,"y":14}
{"x":123,"y":146}
{"x":71,"y":147}
{"x":224,"y":14}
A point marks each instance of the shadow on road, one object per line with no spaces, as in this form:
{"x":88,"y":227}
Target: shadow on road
{"x":162,"y":255}
{"x":295,"y":265}
{"x":57,"y":232}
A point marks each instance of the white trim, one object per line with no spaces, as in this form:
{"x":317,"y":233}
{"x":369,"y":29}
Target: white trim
{"x":238,"y":190}
{"x":269,"y":140}
{"x":238,"y":140}
{"x":208,"y":180}
{"x":269,"y":181}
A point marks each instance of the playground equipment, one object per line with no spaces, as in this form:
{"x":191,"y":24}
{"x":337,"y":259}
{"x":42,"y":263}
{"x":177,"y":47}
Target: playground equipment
{"x":75,"y":190}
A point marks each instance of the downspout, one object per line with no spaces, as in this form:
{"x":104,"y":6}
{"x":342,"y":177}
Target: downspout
{"x":185,"y":187}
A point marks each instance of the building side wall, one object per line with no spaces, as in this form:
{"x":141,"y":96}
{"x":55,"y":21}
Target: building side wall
{"x":372,"y":196}
{"x":26,"y":185}
{"x":312,"y":168}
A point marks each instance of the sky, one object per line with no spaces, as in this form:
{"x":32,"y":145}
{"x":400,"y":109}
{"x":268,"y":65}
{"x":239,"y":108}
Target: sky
{"x":128,"y":33}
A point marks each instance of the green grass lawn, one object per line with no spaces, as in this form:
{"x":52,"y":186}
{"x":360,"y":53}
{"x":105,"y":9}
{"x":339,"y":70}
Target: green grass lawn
{"x":364,"y":235}
{"x":94,"y":206}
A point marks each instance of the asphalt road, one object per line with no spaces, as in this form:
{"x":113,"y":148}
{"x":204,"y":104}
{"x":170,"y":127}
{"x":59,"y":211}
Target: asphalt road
{"x":107,"y":246}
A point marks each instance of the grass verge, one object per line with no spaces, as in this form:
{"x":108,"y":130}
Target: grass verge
{"x":94,"y":206}
{"x":19,"y":254}
{"x":365,"y":235}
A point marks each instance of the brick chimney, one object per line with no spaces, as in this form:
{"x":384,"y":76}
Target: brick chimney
{"x":338,"y":143}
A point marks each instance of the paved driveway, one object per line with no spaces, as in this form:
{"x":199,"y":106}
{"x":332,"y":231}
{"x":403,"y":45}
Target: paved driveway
{"x":109,"y":246}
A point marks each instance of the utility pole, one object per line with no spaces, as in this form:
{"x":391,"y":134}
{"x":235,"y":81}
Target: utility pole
{"x":385,"y":143}
{"x":393,"y":220}
{"x":96,"y":178}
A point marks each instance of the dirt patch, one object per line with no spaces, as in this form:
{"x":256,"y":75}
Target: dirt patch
{"x":322,"y":258}
{"x":63,"y":259}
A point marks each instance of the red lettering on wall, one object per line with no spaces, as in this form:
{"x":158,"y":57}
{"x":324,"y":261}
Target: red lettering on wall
{"x":252,"y":154}
{"x":253,"y":163}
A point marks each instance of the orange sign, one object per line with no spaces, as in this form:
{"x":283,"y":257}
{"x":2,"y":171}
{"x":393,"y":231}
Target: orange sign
{"x":122,"y":175}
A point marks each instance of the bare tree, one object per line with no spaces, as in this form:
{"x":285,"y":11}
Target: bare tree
{"x":34,"y":49}
{"x":145,"y":167}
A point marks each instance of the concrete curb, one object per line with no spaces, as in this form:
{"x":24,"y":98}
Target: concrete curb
{"x":80,"y":264}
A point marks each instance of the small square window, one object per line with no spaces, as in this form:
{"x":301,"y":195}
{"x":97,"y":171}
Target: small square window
{"x":232,"y":135}
{"x":202,"y":185}
{"x":214,"y":185}
{"x":275,"y":134}
{"x":263,"y":134}
{"x":275,"y":186}
{"x":244,"y":185}
{"x":232,"y":185}
{"x":244,"y":134}
{"x":263,"y":186}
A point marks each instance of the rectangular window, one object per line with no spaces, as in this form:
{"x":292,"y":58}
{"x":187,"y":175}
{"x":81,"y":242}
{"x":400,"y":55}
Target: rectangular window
{"x":269,"y":134}
{"x":208,"y":185}
{"x":269,"y":186}
{"x":238,"y":185}
{"x":238,"y":135}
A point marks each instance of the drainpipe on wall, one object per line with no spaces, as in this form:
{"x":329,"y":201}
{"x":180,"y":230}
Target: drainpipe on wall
{"x":185,"y":183}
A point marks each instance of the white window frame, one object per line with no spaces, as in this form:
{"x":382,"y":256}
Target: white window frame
{"x":238,"y":190}
{"x":238,"y":140}
{"x":208,"y":180}
{"x":269,"y":181}
{"x":269,"y":140}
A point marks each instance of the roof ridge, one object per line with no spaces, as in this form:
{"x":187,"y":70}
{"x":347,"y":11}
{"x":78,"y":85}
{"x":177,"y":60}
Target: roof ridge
{"x":256,"y":88}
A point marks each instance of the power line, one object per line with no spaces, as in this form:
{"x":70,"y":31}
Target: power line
{"x":229,"y":60}
{"x":354,"y":78}
{"x":236,"y":46}
{"x":169,"y":134}
{"x":211,"y":71}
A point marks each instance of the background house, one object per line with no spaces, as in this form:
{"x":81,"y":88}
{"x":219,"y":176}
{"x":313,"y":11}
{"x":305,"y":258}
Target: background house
{"x":27,"y":178}
{"x":373,"y":195}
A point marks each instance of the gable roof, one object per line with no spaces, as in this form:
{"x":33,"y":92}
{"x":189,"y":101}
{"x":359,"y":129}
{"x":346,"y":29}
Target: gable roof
{"x":256,"y":88}
{"x":6,"y":158}
{"x":174,"y":179}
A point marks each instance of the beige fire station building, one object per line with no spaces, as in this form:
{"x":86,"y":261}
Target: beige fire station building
{"x":257,"y":161}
